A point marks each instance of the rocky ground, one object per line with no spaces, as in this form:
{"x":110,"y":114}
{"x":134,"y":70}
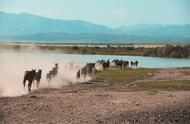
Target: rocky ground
{"x":87,"y":104}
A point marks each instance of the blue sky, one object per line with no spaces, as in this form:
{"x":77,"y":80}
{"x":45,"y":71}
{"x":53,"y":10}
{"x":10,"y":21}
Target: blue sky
{"x":112,"y":13}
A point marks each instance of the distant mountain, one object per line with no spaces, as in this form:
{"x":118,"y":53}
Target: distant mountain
{"x":69,"y":38}
{"x":157,"y":30}
{"x":27,"y":28}
{"x":25,"y":23}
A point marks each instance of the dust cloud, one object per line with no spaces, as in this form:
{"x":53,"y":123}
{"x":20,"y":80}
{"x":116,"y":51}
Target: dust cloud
{"x":13,"y":66}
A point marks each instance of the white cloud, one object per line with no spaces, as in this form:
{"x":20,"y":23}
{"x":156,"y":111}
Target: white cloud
{"x":119,"y":12}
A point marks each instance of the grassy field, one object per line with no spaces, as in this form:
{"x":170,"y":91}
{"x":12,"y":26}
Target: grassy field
{"x":128,"y":75}
{"x":138,"y":80}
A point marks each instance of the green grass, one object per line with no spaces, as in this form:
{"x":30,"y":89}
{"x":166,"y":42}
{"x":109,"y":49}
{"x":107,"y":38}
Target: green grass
{"x":127,"y":76}
{"x":124,"y":81}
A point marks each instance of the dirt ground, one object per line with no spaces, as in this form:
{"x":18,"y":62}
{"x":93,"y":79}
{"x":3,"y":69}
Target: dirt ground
{"x":171,"y":74}
{"x":87,"y":104}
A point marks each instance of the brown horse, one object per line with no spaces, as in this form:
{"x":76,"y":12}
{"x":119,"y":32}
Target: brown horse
{"x":29,"y":76}
{"x":53,"y":73}
{"x":49,"y":76}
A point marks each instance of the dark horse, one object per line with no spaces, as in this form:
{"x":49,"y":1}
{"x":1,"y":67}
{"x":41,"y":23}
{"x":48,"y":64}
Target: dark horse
{"x":37,"y":77}
{"x":118,"y":63}
{"x":87,"y":70}
{"x":29,"y":76}
{"x":106,"y":65}
{"x":84,"y":72}
{"x":134,"y":64}
{"x":78,"y":75}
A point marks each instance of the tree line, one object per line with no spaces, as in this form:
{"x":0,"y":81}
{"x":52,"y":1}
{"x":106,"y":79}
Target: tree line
{"x":169,"y":51}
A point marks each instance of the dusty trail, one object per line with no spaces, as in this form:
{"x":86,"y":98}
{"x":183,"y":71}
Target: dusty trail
{"x":76,"y":104}
{"x":88,"y":103}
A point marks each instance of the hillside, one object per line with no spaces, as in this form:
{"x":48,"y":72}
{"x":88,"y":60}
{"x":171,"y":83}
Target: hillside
{"x":30,"y":28}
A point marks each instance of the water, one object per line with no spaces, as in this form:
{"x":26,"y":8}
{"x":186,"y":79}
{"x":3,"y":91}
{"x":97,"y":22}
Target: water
{"x":13,"y":66}
{"x":145,"y":62}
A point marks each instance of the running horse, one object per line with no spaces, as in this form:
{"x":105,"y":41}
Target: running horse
{"x":78,"y":75}
{"x":37,"y":77}
{"x":55,"y":70}
{"x":53,"y":73}
{"x":29,"y":76}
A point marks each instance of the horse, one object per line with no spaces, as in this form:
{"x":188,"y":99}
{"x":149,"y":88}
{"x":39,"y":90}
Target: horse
{"x":134,"y":64}
{"x":37,"y":77}
{"x":94,"y":71}
{"x":55,"y":70}
{"x":78,"y":75}
{"x":84,"y":71}
{"x":53,"y":73}
{"x":99,"y":66}
{"x":48,"y":76}
{"x":29,"y":76}
{"x":118,"y":63}
{"x":89,"y":68}
{"x":106,"y":64}
{"x":125,"y":64}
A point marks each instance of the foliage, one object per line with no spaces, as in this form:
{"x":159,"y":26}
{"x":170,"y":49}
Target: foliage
{"x":169,"y":51}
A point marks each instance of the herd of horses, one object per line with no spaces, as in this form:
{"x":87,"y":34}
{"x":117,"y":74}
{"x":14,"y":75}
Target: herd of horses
{"x":34,"y":77}
{"x":90,"y":69}
{"x":122,"y":64}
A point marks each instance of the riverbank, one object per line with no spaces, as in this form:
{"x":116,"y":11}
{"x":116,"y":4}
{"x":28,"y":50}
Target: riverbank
{"x":132,"y":96}
{"x":170,"y":51}
{"x":136,"y":50}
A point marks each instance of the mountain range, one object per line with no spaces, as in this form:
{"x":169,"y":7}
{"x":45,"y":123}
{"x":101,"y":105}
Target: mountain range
{"x":31,"y":28}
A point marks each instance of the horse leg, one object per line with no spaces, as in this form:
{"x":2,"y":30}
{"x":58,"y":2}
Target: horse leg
{"x":84,"y":77}
{"x":33,"y":83}
{"x":24,"y":83}
{"x":29,"y":86}
{"x":38,"y":84}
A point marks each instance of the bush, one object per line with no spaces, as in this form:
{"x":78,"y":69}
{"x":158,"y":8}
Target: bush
{"x":169,"y":51}
{"x":84,"y":50}
{"x":174,"y":54}
{"x":130,"y":48}
{"x":97,"y":47}
{"x":108,"y":46}
{"x":75,"y":48}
